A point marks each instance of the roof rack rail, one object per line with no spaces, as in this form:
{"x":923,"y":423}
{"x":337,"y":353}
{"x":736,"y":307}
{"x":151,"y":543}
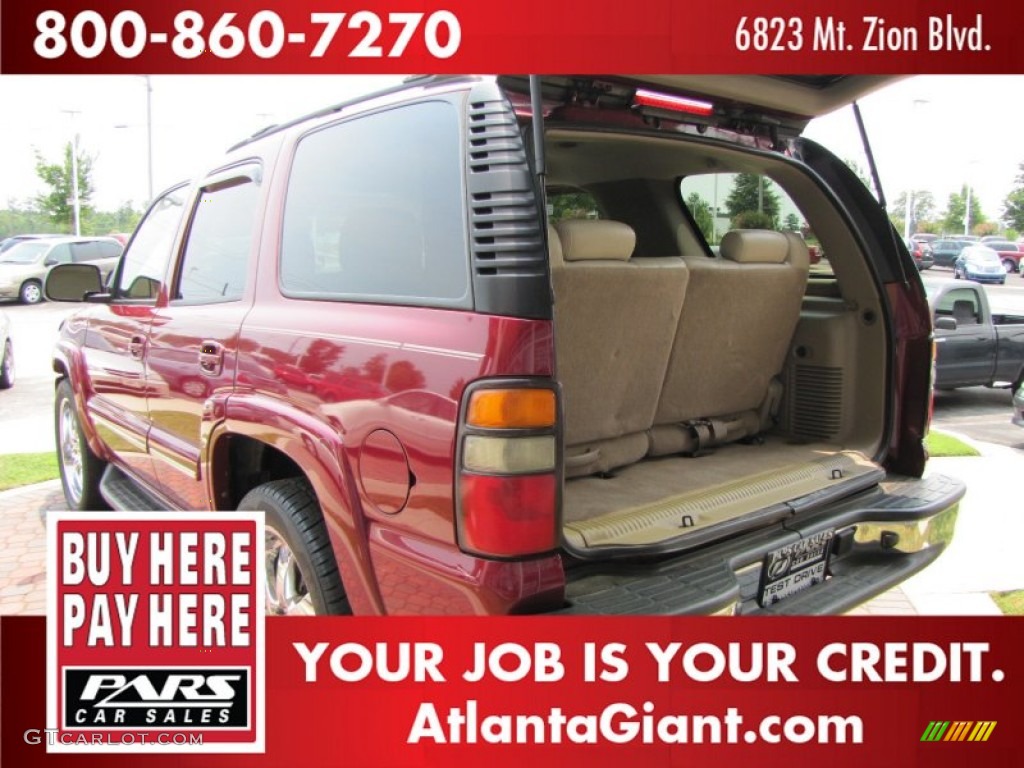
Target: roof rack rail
{"x":407,"y":83}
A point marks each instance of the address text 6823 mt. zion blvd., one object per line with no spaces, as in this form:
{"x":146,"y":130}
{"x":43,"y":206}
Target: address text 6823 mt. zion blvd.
{"x":947,"y":32}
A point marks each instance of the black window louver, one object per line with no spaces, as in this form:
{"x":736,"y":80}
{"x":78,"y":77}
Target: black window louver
{"x":510,"y":275}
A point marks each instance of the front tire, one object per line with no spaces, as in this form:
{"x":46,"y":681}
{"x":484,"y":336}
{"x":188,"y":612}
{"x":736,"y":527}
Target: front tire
{"x":1009,"y":266}
{"x":80,"y":468}
{"x":7,"y":366}
{"x":302,"y":574}
{"x":31,"y":292}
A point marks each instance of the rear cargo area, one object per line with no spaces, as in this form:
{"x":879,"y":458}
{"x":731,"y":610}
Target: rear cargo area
{"x":710,"y":384}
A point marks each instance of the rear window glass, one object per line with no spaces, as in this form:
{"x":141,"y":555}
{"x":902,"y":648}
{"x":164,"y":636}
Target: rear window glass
{"x":571,"y":203}
{"x":720,"y":202}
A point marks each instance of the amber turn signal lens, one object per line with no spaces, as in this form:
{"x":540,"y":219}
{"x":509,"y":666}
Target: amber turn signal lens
{"x":512,"y":409}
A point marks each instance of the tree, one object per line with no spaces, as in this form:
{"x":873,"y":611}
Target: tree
{"x":854,"y":166}
{"x":702,"y":214}
{"x":792,"y":223}
{"x":1013,"y":206}
{"x":57,"y":203}
{"x":956,"y":210}
{"x":752,"y":193}
{"x":752,"y":220}
{"x":923,"y":207}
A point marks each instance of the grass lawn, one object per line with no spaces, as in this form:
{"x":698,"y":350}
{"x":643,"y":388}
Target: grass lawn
{"x":26,"y":468}
{"x":940,"y":444}
{"x":1010,"y":603}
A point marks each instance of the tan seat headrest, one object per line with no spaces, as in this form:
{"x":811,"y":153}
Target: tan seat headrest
{"x":554,"y":246}
{"x":595,"y":240}
{"x":755,"y":246}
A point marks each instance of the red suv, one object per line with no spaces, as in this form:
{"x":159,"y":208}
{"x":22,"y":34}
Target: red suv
{"x":451,"y":395}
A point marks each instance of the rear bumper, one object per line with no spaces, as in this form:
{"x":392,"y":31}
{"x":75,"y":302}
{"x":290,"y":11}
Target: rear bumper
{"x":883,"y":536}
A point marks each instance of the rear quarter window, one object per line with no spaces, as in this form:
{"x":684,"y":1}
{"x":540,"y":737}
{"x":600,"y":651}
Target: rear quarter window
{"x":375,"y":211}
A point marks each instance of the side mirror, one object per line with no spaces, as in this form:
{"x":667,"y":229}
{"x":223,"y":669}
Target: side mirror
{"x":49,"y":262}
{"x":945,"y":323}
{"x":74,"y":282}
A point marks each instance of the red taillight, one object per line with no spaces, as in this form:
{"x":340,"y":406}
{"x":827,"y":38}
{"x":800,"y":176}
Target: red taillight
{"x":508,"y":483}
{"x":507,"y":516}
{"x":645,"y":98}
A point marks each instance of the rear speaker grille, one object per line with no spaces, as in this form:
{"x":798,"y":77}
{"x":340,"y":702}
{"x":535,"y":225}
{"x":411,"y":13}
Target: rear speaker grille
{"x":815,"y":401}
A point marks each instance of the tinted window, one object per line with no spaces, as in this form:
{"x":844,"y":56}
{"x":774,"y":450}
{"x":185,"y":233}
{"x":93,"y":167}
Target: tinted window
{"x":375,"y":210}
{"x":109,"y":250}
{"x":145,"y":262}
{"x":59,"y":254}
{"x":94,"y":250}
{"x":719,"y":202}
{"x":216,"y":255}
{"x":567,"y":203}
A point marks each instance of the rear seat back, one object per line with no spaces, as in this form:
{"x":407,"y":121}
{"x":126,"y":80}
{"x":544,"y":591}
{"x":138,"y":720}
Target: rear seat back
{"x":615,"y":321}
{"x":734,"y":330}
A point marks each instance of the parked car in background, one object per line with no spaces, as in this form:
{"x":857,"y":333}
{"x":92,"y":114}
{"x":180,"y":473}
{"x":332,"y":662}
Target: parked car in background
{"x":24,"y":267}
{"x":1009,"y":253}
{"x":1018,"y":404}
{"x":6,"y":352}
{"x":967,"y":238}
{"x":924,"y":237}
{"x":921,"y":252}
{"x":973,"y":346}
{"x":979,"y":263}
{"x":945,"y":251}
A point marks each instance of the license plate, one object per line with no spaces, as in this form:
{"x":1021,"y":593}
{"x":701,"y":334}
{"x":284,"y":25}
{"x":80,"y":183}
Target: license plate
{"x":794,"y":568}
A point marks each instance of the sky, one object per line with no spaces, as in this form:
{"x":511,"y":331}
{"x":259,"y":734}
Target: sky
{"x":928,"y":132}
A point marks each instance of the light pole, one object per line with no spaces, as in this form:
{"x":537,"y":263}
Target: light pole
{"x":75,"y":203}
{"x":967,"y":213}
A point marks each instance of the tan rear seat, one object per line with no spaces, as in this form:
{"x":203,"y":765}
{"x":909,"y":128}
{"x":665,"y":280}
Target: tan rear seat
{"x":615,"y":321}
{"x":734,"y":332}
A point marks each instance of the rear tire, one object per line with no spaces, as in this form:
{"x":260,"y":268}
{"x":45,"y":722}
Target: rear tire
{"x":302,"y":574}
{"x":1009,"y":266}
{"x":31,"y":292}
{"x":80,"y":469}
{"x":7,"y":366}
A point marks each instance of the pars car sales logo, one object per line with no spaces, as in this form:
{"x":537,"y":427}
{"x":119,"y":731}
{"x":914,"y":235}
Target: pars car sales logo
{"x":155,"y":632}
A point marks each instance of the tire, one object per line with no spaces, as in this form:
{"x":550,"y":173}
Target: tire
{"x":31,"y":292}
{"x":956,"y":273}
{"x":80,"y":468}
{"x":302,"y":574}
{"x":7,"y":366}
{"x":1009,"y":266}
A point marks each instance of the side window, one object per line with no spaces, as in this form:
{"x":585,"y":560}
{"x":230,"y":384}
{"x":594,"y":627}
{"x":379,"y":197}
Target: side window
{"x":375,"y":210}
{"x":59,"y":254}
{"x":145,"y":262}
{"x":108,"y":250}
{"x":571,"y":203}
{"x":85,"y":251}
{"x":960,"y":304}
{"x":215,"y":260}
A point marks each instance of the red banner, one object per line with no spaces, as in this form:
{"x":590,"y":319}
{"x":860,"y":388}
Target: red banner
{"x":648,"y":691}
{"x":270,"y":36}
